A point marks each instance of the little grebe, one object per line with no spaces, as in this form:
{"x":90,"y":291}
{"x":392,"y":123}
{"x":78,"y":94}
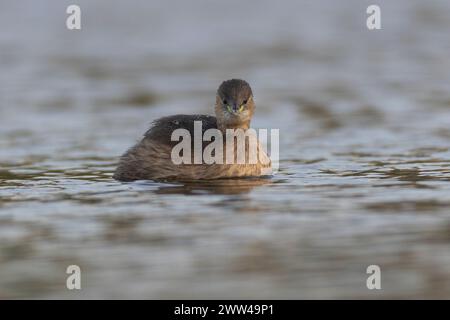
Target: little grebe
{"x":150,"y":159}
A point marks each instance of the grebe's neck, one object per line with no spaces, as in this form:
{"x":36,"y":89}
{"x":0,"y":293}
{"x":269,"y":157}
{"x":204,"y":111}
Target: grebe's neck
{"x":241,"y":125}
{"x":224,"y":121}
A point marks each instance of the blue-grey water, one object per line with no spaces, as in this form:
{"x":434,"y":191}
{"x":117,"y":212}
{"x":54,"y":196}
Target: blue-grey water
{"x":364,"y":119}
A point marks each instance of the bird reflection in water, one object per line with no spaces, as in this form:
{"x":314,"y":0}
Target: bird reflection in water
{"x":221,"y":186}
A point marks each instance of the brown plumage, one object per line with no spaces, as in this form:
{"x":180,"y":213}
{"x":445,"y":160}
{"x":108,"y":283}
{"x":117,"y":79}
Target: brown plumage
{"x":150,"y":159}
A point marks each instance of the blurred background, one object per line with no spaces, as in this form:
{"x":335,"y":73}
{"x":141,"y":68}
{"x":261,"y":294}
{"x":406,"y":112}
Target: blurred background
{"x":364,"y":119}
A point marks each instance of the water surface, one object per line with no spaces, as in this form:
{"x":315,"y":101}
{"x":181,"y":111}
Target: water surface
{"x":364,"y":119}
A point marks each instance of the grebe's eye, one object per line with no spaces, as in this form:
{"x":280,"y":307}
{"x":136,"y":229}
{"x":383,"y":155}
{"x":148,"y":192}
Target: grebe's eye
{"x":244,"y":102}
{"x":225,"y":102}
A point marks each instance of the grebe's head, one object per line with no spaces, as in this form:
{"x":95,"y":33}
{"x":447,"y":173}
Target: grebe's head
{"x":234,"y":104}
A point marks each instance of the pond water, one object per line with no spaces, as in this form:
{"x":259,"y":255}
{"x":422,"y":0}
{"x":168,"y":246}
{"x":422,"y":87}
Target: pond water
{"x":364,"y":119}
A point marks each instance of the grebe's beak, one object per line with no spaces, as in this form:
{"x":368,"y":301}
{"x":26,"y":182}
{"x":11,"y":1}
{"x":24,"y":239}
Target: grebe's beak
{"x":232,"y":109}
{"x":235,"y":109}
